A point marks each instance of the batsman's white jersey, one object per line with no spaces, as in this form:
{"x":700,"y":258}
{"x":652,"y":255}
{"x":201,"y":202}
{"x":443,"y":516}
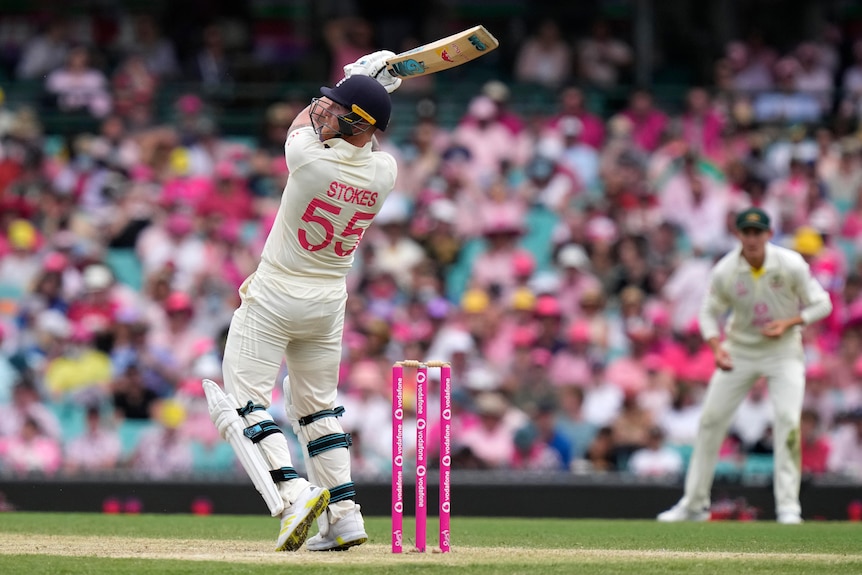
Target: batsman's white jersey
{"x":293,"y":305}
{"x":331,"y":196}
{"x":782,"y":289}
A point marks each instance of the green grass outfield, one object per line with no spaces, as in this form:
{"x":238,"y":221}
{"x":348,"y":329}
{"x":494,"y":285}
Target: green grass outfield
{"x":49,"y":543}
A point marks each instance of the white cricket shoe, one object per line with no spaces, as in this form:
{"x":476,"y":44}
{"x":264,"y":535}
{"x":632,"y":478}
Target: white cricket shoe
{"x":679,"y":513}
{"x":789,"y":518}
{"x":345,"y":533}
{"x":296,"y":519}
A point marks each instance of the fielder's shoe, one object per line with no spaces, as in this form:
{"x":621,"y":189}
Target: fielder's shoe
{"x":345,"y":533}
{"x":679,"y":513}
{"x":789,"y":518}
{"x":296,"y":519}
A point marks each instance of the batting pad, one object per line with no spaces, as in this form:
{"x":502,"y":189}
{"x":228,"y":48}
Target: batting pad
{"x":223,"y":412}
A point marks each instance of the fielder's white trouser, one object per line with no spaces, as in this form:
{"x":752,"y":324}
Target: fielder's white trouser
{"x":301,"y":321}
{"x":784,"y":369}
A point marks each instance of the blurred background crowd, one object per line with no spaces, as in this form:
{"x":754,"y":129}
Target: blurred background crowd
{"x":558,"y":208}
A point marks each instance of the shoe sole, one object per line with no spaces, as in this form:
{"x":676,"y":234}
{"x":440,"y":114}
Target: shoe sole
{"x":314,"y":508}
{"x":344,"y":545}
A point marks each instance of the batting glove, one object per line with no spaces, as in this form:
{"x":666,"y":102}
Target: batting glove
{"x":374,"y":65}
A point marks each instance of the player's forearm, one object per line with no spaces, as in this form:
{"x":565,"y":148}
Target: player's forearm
{"x":707,"y":318}
{"x":817,"y":310}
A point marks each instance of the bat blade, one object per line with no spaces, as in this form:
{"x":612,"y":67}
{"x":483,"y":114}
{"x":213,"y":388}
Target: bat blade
{"x":442,"y":54}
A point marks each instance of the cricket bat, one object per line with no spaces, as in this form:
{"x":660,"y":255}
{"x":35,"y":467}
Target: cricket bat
{"x":442,"y":54}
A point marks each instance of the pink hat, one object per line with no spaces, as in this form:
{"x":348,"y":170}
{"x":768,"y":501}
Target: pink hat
{"x":815,"y":371}
{"x":229,"y":231}
{"x":482,"y":108}
{"x":548,"y":306}
{"x":178,"y":301}
{"x":179,"y":223}
{"x":627,"y":376}
{"x":652,"y":362}
{"x":523,"y":336}
{"x":658,"y":315}
{"x":601,"y":229}
{"x":857,"y":367}
{"x":523,"y":264}
{"x":225,"y":170}
{"x":692,"y":327}
{"x":55,"y":262}
{"x":579,"y":332}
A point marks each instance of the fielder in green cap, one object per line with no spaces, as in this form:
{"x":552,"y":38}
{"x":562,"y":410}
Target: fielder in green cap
{"x":771,"y":295}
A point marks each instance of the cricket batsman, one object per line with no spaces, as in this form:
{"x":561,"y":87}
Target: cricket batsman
{"x":771,"y":295}
{"x":293,"y":306}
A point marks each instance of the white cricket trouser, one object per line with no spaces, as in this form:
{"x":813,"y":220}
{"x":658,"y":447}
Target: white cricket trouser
{"x":784,"y":368}
{"x":279,"y":317}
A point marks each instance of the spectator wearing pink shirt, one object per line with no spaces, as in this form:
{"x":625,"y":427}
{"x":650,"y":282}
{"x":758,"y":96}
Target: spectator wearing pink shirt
{"x":180,"y":339}
{"x":164,"y":451}
{"x":816,"y":209}
{"x":97,"y":449}
{"x":648,"y":122}
{"x":347,"y":39}
{"x":492,"y":146}
{"x":750,"y":66}
{"x":31,"y":450}
{"x":601,"y":57}
{"x":516,"y":327}
{"x":183,"y":189}
{"x":549,"y":318}
{"x":628,"y":372}
{"x":78,"y":86}
{"x":575,"y":276}
{"x":690,"y":357}
{"x":697,"y":204}
{"x":171,"y":241}
{"x":701,"y":124}
{"x":570,"y":366}
{"x":814,"y":444}
{"x":494,"y":269}
{"x":544,"y":57}
{"x":501,"y":95}
{"x":815,"y":75}
{"x":229,"y":198}
{"x":492,"y":441}
{"x":572,"y":105}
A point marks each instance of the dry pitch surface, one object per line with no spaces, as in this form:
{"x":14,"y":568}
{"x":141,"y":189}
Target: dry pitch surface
{"x":248,"y":552}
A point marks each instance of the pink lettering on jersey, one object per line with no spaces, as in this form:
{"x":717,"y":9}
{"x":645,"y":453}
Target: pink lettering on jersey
{"x":351,"y":195}
{"x":761,"y":314}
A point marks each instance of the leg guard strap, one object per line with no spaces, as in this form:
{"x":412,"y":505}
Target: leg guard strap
{"x":337,"y":412}
{"x":342,"y":492}
{"x":284,"y":474}
{"x":260,"y":430}
{"x":327,"y":442}
{"x":248,"y":408}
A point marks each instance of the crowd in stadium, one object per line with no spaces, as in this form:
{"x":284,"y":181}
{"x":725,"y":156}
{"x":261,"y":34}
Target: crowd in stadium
{"x":558,"y":260}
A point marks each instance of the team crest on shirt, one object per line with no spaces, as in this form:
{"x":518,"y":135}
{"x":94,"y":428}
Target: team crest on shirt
{"x":776,"y":282}
{"x":741,"y":288}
